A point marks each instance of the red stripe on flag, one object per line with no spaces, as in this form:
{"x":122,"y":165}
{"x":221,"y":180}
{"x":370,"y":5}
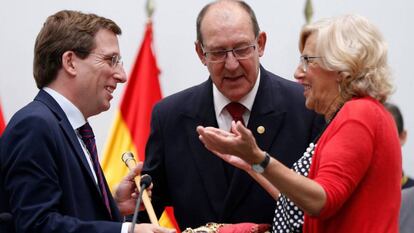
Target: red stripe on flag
{"x":2,"y":122}
{"x":142,"y":92}
{"x":170,"y":213}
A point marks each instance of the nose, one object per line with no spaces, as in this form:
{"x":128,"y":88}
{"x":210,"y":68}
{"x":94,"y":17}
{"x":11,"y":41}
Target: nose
{"x":299,"y":74}
{"x":231,"y":62}
{"x":120,"y":74}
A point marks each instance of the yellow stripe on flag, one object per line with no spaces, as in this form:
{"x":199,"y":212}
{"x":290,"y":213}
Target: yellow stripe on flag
{"x":121,"y":142}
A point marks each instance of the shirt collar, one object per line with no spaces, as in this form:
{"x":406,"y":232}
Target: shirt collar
{"x":74,"y":115}
{"x":220,"y":101}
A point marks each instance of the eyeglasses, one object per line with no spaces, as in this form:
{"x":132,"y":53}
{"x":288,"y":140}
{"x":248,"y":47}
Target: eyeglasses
{"x":305,"y":60}
{"x":218,"y":56}
{"x":112,"y":60}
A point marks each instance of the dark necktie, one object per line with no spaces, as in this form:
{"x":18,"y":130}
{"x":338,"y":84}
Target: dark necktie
{"x":236,"y":111}
{"x":89,"y":139}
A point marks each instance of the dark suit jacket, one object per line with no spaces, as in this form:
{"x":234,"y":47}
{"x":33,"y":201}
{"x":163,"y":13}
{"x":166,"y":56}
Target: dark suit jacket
{"x":192,"y":180}
{"x":45,"y":180}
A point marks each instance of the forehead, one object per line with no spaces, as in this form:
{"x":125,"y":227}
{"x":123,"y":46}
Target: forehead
{"x":310,"y":44}
{"x":106,"y":41}
{"x":226,"y":24}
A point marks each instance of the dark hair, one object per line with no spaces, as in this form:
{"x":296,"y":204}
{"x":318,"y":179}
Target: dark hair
{"x":242,"y":4}
{"x":65,"y":31}
{"x":396,"y":113}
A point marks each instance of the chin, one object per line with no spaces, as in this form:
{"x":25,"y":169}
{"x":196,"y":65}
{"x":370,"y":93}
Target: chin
{"x":309,"y":105}
{"x":105,"y":107}
{"x":234,"y":98}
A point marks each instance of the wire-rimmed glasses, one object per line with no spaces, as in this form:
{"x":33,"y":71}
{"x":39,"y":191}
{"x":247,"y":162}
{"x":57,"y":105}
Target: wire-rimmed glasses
{"x":305,"y":60}
{"x":112,"y":60}
{"x":240,"y":53}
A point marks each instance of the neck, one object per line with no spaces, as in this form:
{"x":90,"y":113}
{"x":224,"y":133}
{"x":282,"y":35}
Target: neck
{"x":333,"y":108}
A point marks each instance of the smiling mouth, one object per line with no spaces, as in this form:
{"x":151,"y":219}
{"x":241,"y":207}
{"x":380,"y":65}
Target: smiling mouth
{"x":110,"y":89}
{"x":306,"y":87}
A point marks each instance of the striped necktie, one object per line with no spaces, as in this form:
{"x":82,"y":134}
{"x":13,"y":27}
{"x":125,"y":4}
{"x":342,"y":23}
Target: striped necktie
{"x":89,"y":139}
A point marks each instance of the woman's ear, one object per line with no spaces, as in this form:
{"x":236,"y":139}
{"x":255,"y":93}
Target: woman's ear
{"x":339,"y":77}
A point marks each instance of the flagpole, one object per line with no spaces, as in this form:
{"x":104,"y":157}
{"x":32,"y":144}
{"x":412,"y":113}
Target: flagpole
{"x":308,"y":11}
{"x":150,"y":7}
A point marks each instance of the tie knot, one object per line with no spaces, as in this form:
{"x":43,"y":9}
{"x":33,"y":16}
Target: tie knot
{"x":236,"y":111}
{"x":86,"y":131}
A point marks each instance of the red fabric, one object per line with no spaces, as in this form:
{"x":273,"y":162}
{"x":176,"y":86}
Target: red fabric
{"x":141,"y":93}
{"x":358,"y":163}
{"x":2,"y":123}
{"x":244,"y":228}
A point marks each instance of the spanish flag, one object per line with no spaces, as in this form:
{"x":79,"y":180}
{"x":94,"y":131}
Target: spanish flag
{"x":2,"y":123}
{"x":131,"y":127}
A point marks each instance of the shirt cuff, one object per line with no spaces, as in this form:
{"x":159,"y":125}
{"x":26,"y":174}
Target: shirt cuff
{"x":125,"y":227}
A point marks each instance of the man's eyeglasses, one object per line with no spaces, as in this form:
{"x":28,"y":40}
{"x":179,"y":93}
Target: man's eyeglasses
{"x":239,"y":53}
{"x":305,"y":60}
{"x":112,"y":60}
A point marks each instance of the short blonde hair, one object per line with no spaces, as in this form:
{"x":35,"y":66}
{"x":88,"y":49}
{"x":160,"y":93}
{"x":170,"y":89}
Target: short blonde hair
{"x":353,"y":46}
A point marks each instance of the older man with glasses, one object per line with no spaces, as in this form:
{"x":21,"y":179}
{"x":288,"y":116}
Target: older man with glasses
{"x":200,"y":186}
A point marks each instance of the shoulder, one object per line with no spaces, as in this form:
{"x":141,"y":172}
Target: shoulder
{"x":32,"y":122}
{"x":32,"y":129}
{"x":282,"y":91}
{"x":409,"y":183}
{"x":369,"y":113}
{"x":34,"y":114}
{"x":365,"y":108}
{"x":279,"y":82}
{"x":188,"y":97}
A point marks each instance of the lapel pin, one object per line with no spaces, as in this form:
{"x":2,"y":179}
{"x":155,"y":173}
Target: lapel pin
{"x":260,"y":129}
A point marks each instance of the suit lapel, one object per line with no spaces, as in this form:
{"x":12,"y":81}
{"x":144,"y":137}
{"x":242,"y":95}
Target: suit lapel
{"x":66,"y":128}
{"x":268,"y":114}
{"x":209,"y":166}
{"x":72,"y":138}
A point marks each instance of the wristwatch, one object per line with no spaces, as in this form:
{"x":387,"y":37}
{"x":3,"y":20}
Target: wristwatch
{"x":260,"y":167}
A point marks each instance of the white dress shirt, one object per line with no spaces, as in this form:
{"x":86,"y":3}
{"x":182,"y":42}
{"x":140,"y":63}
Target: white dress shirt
{"x":223,"y":117}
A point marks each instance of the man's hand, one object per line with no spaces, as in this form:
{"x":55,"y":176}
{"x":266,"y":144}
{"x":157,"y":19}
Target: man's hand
{"x":127,"y":193}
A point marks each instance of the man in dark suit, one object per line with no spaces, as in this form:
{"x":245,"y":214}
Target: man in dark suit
{"x":200,"y":186}
{"x":51,"y":180}
{"x":406,"y":181}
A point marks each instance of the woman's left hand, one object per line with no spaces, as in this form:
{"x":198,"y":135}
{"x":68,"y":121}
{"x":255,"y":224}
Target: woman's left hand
{"x":239,"y":142}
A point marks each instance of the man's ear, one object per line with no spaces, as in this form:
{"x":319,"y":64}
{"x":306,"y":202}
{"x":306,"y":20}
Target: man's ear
{"x":69,"y":62}
{"x":200,"y":52}
{"x":261,"y":41}
{"x":403,"y":137}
